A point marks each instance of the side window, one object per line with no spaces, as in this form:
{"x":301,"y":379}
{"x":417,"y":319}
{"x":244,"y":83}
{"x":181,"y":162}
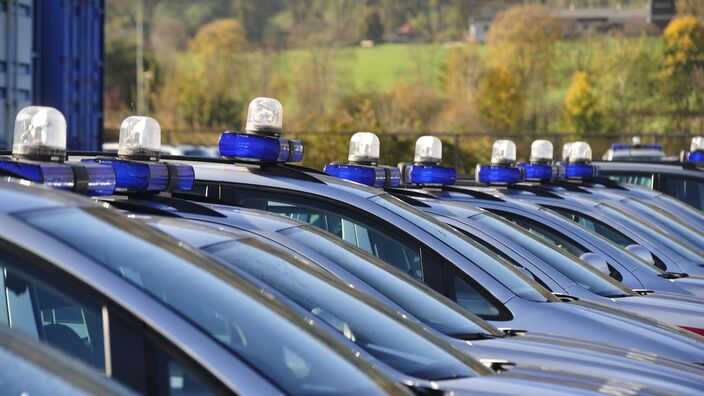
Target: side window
{"x":554,"y":238}
{"x":543,"y":232}
{"x":506,"y":256}
{"x":689,"y":191}
{"x":469,"y":297}
{"x":597,"y":226}
{"x":63,"y":316}
{"x":352,"y":227}
{"x":640,"y":180}
{"x":61,"y":321}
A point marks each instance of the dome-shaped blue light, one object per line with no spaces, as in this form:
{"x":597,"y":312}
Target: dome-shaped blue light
{"x":539,"y":172}
{"x":430,"y":175}
{"x":498,"y":174}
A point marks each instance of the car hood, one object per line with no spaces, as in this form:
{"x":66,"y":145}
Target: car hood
{"x":596,"y":322}
{"x":594,"y":359}
{"x":527,"y":381}
{"x":692,"y":284}
{"x":670,"y":309}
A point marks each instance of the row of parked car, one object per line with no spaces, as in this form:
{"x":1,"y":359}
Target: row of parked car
{"x":138,"y":272}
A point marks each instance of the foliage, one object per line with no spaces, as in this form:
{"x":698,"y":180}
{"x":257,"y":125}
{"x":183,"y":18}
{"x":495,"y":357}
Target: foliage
{"x":372,"y":28}
{"x":682,"y":74}
{"x":582,"y":110}
{"x":210,"y":57}
{"x":522,"y":39}
{"x":209,"y":81}
{"x":500,"y":100}
{"x":624,"y":74}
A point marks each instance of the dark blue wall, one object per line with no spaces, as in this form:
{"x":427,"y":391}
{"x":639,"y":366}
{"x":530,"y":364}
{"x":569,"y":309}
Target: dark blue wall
{"x":16,"y":63}
{"x":68,"y":75}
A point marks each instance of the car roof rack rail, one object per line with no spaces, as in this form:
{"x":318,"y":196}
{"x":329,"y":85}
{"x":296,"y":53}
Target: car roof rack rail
{"x":539,"y":191}
{"x":472,"y":193}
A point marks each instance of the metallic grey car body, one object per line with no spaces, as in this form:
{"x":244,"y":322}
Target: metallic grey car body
{"x":533,"y":349}
{"x":219,"y":180}
{"x":669,"y":309}
{"x":229,"y":370}
{"x":633,"y":272}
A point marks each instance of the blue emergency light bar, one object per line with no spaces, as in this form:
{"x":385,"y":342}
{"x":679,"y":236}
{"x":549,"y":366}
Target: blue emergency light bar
{"x":625,"y":147}
{"x":579,"y":171}
{"x":135,"y":175}
{"x":52,"y":174}
{"x":250,"y":147}
{"x":78,"y":177}
{"x":93,"y":179}
{"x":429,"y":175}
{"x":149,"y":176}
{"x":695,"y":156}
{"x":181,"y":177}
{"x":536,"y":172}
{"x":373,"y":176}
{"x":498,"y":174}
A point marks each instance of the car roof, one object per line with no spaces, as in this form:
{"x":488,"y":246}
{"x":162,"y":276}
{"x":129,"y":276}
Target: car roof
{"x":634,"y":166}
{"x":18,"y":195}
{"x":282,"y":176}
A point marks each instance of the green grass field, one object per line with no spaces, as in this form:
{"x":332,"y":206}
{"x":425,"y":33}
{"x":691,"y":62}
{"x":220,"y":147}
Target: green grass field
{"x":378,"y":68}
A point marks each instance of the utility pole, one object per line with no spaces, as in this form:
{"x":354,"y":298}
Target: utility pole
{"x":140,"y":58}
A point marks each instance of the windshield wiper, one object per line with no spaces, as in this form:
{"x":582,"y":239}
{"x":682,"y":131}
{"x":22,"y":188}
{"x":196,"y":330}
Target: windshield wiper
{"x":473,"y":336}
{"x":674,"y":275}
{"x":620,"y":295}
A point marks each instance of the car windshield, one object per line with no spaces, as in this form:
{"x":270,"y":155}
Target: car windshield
{"x":503,"y":272}
{"x":202,"y":291}
{"x":667,"y":222}
{"x":651,"y":233}
{"x":422,"y":302}
{"x":381,"y":336}
{"x":566,"y":264}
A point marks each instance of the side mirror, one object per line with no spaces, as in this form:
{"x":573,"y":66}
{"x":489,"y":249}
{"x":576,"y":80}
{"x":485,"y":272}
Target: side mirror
{"x":641,"y":252}
{"x":597,"y":261}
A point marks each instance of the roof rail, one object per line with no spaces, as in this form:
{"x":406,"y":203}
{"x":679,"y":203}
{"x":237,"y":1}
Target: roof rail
{"x":278,"y":169}
{"x":408,"y":199}
{"x":567,"y":186}
{"x":409,"y":192}
{"x":179,"y":203}
{"x":472,"y":193}
{"x":539,"y":191}
{"x":141,"y":208}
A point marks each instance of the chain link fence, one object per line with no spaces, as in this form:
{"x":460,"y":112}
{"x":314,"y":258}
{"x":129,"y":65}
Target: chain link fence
{"x":461,"y":150}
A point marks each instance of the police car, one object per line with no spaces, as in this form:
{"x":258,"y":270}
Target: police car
{"x":683,"y":180}
{"x":91,"y":241}
{"x":412,"y":299}
{"x":414,"y":242}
